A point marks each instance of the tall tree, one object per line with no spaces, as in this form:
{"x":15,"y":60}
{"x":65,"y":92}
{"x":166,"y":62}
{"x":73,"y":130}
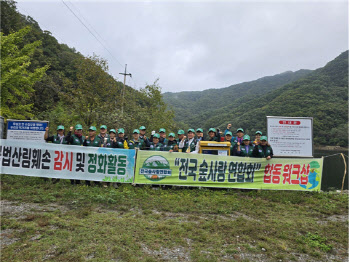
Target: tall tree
{"x":16,"y":80}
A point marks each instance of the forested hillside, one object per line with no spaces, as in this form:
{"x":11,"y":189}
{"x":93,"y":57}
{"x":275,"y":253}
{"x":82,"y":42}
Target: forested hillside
{"x":191,"y":105}
{"x":74,"y":89}
{"x":322,"y":94}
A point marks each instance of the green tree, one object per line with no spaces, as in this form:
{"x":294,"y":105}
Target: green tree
{"x":93,"y":96}
{"x":16,"y":80}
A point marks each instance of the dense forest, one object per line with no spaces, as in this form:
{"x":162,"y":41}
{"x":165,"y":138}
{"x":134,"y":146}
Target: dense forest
{"x":322,"y":94}
{"x":45,"y":80}
{"x":42,"y":79}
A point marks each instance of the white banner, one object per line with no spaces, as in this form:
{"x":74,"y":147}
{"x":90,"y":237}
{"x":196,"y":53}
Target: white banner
{"x":66,"y":161}
{"x":290,"y":136}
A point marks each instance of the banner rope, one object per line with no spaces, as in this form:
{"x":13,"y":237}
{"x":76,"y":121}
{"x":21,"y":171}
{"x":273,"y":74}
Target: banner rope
{"x":342,"y":186}
{"x":336,"y":154}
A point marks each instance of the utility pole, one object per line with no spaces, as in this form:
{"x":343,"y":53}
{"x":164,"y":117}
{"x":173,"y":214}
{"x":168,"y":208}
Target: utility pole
{"x":123,"y":92}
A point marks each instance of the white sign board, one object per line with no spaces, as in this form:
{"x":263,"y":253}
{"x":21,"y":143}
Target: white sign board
{"x":290,"y":136}
{"x":26,"y":130}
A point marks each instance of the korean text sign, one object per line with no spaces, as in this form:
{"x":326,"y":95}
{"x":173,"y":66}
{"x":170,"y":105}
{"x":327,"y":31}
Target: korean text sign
{"x":228,"y":171}
{"x":26,"y":130}
{"x":290,"y":136}
{"x":66,"y":161}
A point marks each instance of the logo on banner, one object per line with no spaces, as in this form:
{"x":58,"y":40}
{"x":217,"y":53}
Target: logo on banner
{"x":155,"y":168}
{"x":313,"y":177}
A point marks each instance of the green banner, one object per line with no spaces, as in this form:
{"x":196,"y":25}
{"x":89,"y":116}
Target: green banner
{"x":188,"y":169}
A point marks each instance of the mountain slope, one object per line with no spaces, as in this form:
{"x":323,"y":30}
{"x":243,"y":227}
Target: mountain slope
{"x":196,"y":104}
{"x":323,"y":95}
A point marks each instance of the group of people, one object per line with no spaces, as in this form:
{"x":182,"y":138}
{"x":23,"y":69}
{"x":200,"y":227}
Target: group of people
{"x":240,"y":145}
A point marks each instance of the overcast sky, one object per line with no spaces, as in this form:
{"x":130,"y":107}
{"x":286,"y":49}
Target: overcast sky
{"x":197,"y":45}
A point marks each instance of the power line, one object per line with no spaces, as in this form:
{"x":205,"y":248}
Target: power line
{"x":91,"y":32}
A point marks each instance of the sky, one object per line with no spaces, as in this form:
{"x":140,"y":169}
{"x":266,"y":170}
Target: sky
{"x":198,"y":45}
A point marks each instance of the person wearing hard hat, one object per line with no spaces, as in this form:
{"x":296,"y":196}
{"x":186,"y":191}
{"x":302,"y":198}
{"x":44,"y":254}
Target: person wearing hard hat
{"x":59,"y":138}
{"x":162,"y":138}
{"x":136,"y":142}
{"x":171,"y":145}
{"x":156,"y":145}
{"x":103,"y":135}
{"x":190,"y":144}
{"x":258,"y":135}
{"x":263,"y":150}
{"x":92,"y":140}
{"x":245,"y":149}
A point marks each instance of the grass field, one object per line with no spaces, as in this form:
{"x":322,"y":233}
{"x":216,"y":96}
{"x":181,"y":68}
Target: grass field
{"x":41,"y":221}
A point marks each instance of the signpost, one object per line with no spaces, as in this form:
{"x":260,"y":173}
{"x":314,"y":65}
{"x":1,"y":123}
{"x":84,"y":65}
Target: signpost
{"x":290,"y":136}
{"x":27,"y":130}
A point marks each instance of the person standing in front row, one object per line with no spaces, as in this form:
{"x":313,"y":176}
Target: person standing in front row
{"x":156,"y":145}
{"x":171,"y":145}
{"x":75,"y":139}
{"x":92,"y":141}
{"x":190,"y":145}
{"x":103,"y":135}
{"x":245,"y":149}
{"x":263,"y":150}
{"x":136,"y":142}
{"x":258,"y":135}
{"x":59,"y":138}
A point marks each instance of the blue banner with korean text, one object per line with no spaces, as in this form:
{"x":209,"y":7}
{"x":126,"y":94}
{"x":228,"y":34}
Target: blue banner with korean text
{"x":66,"y":161}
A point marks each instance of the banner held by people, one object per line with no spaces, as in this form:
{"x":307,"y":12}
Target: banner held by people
{"x":228,"y":171}
{"x":67,"y":161}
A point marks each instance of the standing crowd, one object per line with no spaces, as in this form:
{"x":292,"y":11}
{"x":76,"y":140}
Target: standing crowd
{"x":241,"y":144}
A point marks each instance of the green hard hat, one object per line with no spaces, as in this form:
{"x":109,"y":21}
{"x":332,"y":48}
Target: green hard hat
{"x":240,"y":129}
{"x":263,"y":138}
{"x":211,"y":130}
{"x":92,"y":128}
{"x":156,"y":135}
{"x":246,"y":137}
{"x":136,"y":131}
{"x":180,"y":132}
{"x":171,"y":134}
{"x":190,"y":130}
{"x":199,"y":130}
{"x":78,"y":127}
{"x":142,"y":128}
{"x":112,"y":130}
{"x":228,"y":133}
{"x":103,"y":127}
{"x":258,"y":132}
{"x":121,"y":130}
{"x":60,"y":127}
{"x":161,"y":130}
